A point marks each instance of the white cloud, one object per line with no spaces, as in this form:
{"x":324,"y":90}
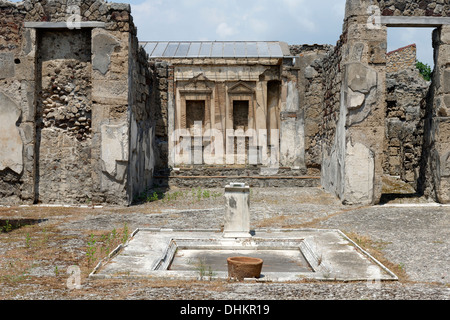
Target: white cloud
{"x":258,"y":26}
{"x":224,"y":31}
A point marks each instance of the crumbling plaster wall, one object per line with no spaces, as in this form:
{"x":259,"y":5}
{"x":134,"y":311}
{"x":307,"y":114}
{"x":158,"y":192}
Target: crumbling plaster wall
{"x":17,"y":105}
{"x":353,"y":151}
{"x":353,"y":156}
{"x":435,"y":162}
{"x":81,"y":114}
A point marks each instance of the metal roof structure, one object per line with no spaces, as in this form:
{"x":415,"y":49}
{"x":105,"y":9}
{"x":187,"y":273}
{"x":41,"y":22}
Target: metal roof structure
{"x":215,"y":49}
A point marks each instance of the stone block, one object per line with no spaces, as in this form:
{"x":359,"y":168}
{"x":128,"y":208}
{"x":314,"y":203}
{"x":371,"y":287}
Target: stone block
{"x":359,"y":174}
{"x":446,"y":81}
{"x":113,"y":92}
{"x":7,"y":69}
{"x":11,"y":144}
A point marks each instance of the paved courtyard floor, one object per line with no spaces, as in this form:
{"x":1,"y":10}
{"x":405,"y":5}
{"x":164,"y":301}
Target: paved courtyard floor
{"x":52,"y":256}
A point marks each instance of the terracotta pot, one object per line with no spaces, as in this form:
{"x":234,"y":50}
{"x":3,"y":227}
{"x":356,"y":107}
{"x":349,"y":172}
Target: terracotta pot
{"x":244,"y":267}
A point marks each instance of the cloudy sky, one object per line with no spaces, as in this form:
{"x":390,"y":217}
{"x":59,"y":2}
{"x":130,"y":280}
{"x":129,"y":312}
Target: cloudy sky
{"x":292,"y":21}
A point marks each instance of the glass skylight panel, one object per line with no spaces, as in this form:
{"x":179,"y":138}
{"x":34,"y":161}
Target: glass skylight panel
{"x":194,"y":50}
{"x":263,"y":49}
{"x":149,"y":47}
{"x":171,"y":49}
{"x":205,"y":50}
{"x":159,"y":50}
{"x":228,"y":49}
{"x":252,"y":49}
{"x":183,"y":49}
{"x":217,"y":50}
{"x":240,"y":49}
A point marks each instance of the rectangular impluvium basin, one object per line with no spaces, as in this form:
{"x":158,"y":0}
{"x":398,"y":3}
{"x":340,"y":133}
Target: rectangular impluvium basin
{"x":288,"y":255}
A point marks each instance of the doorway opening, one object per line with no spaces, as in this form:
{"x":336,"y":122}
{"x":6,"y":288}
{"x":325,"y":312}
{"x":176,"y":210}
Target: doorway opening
{"x":409,"y":63}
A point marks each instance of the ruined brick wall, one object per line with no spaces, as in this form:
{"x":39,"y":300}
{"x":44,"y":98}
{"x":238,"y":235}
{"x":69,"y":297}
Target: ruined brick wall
{"x":332,"y":79}
{"x":406,"y":93}
{"x":401,"y":59}
{"x":115,"y":15}
{"x":359,"y":139}
{"x":352,"y":107}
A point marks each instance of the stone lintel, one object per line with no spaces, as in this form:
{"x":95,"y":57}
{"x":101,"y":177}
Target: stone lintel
{"x":418,"y":22}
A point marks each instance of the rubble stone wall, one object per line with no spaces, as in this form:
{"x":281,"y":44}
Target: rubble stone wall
{"x":401,"y":59}
{"x":63,"y":116}
{"x":414,"y":8}
{"x":76,"y":104}
{"x":143,"y":113}
{"x":406,"y":93}
{"x":434,"y":181}
{"x":310,"y":63}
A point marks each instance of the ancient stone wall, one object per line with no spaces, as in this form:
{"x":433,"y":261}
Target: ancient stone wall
{"x":359,"y":134}
{"x":143,"y":111}
{"x":414,"y":8}
{"x":332,"y":124}
{"x":310,"y":65}
{"x":63,"y":116}
{"x":162,"y":79}
{"x":406,"y":93}
{"x":75,"y":104}
{"x":434,"y":179}
{"x":16,"y":109}
{"x":401,"y":59}
{"x":353,"y":168}
{"x":86,"y":118}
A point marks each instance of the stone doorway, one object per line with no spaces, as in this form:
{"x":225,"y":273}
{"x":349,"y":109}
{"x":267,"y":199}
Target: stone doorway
{"x":406,"y":101}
